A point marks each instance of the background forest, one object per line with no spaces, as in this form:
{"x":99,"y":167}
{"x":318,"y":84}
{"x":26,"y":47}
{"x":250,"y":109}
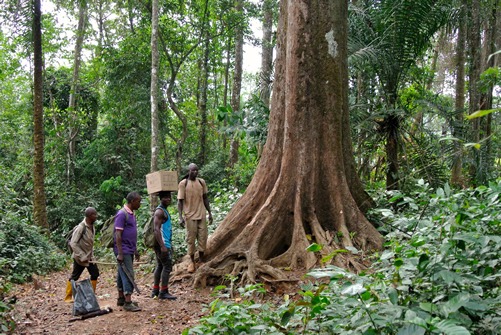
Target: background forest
{"x":424,"y":89}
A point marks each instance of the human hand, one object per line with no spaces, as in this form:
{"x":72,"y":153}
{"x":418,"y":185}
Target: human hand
{"x":210,"y":218}
{"x":164,"y":249}
{"x":120,"y":258}
{"x":181,"y":222}
{"x":136,"y":255}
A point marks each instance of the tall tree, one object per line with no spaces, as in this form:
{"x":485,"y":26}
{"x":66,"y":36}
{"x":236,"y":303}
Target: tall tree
{"x":73,"y":129}
{"x":237,"y":79}
{"x":458,"y":126}
{"x":475,"y":62}
{"x":203,"y":88}
{"x":399,"y":31}
{"x":300,"y":192}
{"x":154,"y":93}
{"x":39,"y":209}
{"x":267,"y":52}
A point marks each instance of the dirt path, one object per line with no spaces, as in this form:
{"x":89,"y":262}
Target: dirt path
{"x":40,"y":308}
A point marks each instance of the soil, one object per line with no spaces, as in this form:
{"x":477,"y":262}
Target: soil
{"x":40,"y":307}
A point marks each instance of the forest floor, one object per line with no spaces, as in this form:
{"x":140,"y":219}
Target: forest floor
{"x":40,"y":307}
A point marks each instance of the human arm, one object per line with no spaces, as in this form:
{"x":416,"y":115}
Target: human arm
{"x":118,"y":242}
{"x":78,"y":252}
{"x":207,"y":206}
{"x":119,"y":226}
{"x":158,"y":220}
{"x":180,"y":206}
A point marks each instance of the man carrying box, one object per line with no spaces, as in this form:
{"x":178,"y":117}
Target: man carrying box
{"x":192,"y":203}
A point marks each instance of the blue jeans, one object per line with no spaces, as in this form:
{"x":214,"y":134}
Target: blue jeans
{"x":123,"y":282}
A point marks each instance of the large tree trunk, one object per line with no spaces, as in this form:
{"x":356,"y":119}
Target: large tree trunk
{"x":154,"y":95}
{"x":39,"y":209}
{"x":458,"y":126}
{"x":300,"y":192}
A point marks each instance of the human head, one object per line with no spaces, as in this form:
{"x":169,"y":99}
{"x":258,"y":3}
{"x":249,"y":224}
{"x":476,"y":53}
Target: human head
{"x":90,"y":215}
{"x":133,"y":200}
{"x":192,"y":171}
{"x":165,"y":198}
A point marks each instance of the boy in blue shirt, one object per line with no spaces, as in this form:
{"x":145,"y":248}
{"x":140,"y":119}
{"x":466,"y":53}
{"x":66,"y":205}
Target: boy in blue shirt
{"x":163,"y":248}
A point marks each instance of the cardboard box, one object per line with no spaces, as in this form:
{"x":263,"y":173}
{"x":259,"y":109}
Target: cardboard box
{"x":161,"y":181}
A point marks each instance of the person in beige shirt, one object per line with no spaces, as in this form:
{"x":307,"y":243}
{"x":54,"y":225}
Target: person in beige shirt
{"x":82,"y":245}
{"x":192,"y":203}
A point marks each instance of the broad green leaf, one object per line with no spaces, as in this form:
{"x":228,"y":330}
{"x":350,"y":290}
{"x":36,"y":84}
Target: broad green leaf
{"x":287,"y":316}
{"x":387,"y":255}
{"x":475,"y":306}
{"x":428,"y":307}
{"x":455,"y":303}
{"x":314,"y":247}
{"x":353,"y":290}
{"x":482,"y":112}
{"x":411,"y":330}
{"x":424,"y":260}
{"x":449,"y":327}
{"x":393,"y":295}
{"x":398,"y":262}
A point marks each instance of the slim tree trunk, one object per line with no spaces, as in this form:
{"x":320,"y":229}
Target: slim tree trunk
{"x":486,"y":157}
{"x":458,"y":126}
{"x":226,"y":83}
{"x":300,"y":192}
{"x":73,"y":129}
{"x":204,"y":82}
{"x":154,"y":95}
{"x":203,"y":103}
{"x":267,"y":52}
{"x":39,"y":197}
{"x":474,"y":53}
{"x":237,"y":80}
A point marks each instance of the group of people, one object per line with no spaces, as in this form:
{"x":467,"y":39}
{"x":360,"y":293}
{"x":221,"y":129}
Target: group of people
{"x":193,"y":204}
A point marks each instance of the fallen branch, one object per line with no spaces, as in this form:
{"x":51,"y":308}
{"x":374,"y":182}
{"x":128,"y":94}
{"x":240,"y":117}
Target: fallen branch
{"x":115,"y":263}
{"x":92,"y":314}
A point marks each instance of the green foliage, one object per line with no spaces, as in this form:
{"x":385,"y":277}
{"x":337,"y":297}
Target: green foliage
{"x":437,"y":275}
{"x":7,"y":324}
{"x":25,"y":251}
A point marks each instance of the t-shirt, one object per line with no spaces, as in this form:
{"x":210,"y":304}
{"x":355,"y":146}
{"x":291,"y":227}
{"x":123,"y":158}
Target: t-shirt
{"x":166,"y":229}
{"x":128,"y":224}
{"x":192,"y":193}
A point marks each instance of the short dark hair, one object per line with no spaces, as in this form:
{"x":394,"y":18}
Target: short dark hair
{"x":132,"y":196}
{"x":162,"y":194}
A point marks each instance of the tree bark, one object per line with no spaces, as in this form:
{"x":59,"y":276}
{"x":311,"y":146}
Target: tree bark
{"x":73,"y":129}
{"x":458,"y":126}
{"x":237,"y":80}
{"x":474,"y":53}
{"x":300,"y":192}
{"x":39,"y":197}
{"x":204,"y":83}
{"x":266,"y":53}
{"x":154,"y":95}
{"x":486,"y":97}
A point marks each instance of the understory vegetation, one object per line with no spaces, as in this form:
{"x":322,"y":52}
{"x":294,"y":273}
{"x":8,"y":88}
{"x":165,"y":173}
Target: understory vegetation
{"x":437,"y":275}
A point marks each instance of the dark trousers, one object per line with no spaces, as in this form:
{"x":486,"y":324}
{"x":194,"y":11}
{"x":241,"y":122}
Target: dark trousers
{"x":163,"y":269}
{"x":78,"y":269}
